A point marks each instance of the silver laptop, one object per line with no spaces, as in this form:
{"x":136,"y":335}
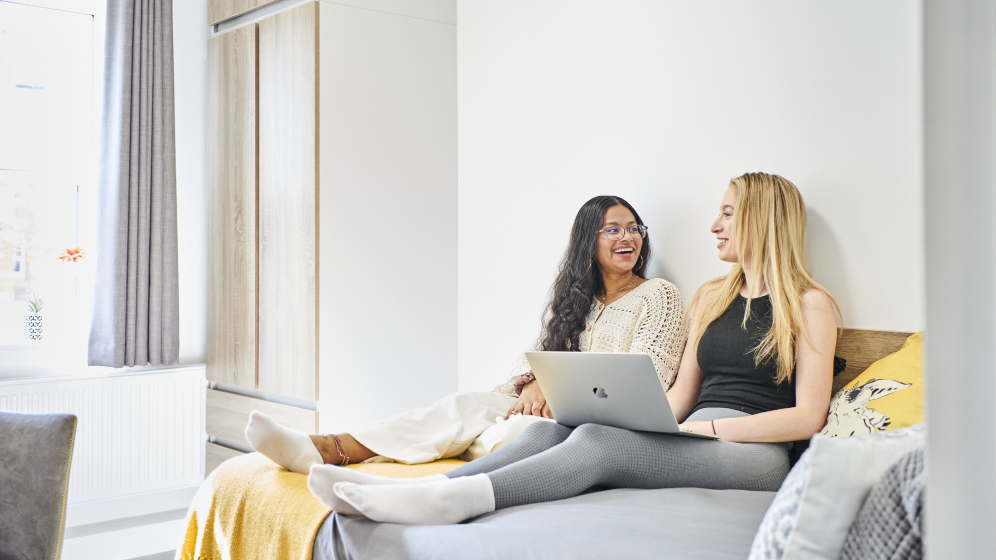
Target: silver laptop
{"x":613,"y":389}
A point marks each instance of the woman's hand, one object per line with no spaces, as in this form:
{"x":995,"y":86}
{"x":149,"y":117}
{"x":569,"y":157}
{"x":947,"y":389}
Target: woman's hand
{"x":531,"y":403}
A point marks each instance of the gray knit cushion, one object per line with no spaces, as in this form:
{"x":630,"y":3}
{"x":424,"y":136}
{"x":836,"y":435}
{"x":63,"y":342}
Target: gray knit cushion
{"x":35,"y":454}
{"x":890,"y":523}
{"x":822,"y":495}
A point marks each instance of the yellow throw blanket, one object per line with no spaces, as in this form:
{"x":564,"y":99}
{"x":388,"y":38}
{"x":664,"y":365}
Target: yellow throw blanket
{"x":249,"y":508}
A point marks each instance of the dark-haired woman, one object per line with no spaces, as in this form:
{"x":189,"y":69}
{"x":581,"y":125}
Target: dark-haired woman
{"x":756,"y":372}
{"x":601,"y":302}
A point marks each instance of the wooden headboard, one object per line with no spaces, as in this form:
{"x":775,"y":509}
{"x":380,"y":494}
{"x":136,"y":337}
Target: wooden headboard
{"x":861,"y":348}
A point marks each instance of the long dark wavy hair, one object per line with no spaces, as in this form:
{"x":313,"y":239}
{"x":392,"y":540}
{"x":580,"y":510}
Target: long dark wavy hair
{"x":580,"y":279}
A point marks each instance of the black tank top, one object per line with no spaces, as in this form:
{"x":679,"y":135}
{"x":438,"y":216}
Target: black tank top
{"x":730,"y":379}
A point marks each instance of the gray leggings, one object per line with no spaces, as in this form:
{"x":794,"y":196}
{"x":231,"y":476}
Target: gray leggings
{"x":551,"y":462}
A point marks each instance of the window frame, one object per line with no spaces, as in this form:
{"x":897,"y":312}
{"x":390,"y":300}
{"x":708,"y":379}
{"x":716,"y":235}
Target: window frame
{"x":22,"y":359}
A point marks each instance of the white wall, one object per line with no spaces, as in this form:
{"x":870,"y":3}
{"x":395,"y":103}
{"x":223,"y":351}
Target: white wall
{"x":662,"y":103}
{"x":190,"y":35}
{"x":388,"y":248}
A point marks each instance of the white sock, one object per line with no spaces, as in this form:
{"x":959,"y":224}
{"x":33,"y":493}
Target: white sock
{"x":326,"y":475}
{"x":291,"y":450}
{"x":321,"y":487}
{"x":323,"y":478}
{"x":441,"y":502}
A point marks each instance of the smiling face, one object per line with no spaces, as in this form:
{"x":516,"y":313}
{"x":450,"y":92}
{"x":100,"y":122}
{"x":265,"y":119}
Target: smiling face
{"x":723,"y":227}
{"x":618,"y":257}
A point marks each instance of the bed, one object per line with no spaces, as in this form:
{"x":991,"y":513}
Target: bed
{"x":621,"y":523}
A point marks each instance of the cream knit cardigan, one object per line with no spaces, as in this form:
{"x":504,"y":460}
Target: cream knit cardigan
{"x":648,"y":320}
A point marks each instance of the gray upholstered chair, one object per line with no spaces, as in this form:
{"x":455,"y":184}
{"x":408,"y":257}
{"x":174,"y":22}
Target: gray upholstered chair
{"x":36,"y":451}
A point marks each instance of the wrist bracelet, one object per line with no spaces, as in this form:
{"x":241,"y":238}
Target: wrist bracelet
{"x":713,"y":422}
{"x":522,"y":381}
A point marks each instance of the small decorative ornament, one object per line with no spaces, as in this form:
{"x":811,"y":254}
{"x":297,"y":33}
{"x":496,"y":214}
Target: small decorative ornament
{"x":33,"y":327}
{"x":72,"y":255}
{"x":33,"y":321}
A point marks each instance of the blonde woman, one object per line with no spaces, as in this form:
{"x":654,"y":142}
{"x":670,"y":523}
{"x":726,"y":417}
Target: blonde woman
{"x":756,"y":371}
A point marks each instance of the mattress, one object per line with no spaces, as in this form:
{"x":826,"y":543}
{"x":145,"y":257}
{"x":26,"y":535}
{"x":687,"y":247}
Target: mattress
{"x":671,"y":523}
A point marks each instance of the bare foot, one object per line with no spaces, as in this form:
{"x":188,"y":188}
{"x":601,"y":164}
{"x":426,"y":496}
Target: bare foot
{"x":355,"y":450}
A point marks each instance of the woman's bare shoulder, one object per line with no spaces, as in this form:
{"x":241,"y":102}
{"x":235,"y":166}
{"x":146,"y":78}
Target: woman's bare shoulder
{"x":816,"y":300}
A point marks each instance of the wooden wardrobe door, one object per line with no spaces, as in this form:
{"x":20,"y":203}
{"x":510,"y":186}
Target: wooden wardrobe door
{"x":288,"y":191}
{"x":231,"y":194}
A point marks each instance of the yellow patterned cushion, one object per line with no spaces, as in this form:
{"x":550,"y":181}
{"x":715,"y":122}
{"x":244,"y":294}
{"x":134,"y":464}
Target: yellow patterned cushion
{"x":886,"y":396}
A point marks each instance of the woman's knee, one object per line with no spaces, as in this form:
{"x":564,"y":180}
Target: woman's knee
{"x":769,"y":464}
{"x":601,"y":442}
{"x":594,"y":432}
{"x":780,"y":467}
{"x":547,"y":432}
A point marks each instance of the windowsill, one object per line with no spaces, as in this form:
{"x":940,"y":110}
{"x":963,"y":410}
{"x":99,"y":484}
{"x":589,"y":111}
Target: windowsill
{"x":89,"y":372}
{"x":33,"y":360}
{"x":52,"y":356}
{"x":26,"y":345}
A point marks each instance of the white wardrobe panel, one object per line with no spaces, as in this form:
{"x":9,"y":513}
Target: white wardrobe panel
{"x":388,"y":214}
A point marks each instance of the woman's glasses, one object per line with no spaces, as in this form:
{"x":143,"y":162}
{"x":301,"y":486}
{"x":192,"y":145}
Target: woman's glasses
{"x":615,"y":233}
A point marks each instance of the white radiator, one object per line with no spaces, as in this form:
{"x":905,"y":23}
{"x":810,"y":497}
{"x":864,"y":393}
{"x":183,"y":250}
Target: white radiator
{"x":137,"y":432}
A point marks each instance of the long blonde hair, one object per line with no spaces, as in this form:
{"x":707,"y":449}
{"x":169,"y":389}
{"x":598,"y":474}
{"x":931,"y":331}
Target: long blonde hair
{"x":770,"y":222}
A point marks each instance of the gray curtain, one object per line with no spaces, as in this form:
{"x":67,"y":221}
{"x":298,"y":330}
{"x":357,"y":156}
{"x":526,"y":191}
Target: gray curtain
{"x":136,"y":307}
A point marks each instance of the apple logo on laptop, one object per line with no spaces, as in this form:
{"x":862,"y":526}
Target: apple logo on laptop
{"x":600,"y":393}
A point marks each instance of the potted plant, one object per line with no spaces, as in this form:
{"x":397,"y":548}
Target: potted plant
{"x":33,"y":320}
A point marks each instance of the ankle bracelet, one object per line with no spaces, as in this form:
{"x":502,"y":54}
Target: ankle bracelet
{"x":340,"y":448}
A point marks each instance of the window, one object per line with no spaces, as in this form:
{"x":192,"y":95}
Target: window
{"x":51,"y":60}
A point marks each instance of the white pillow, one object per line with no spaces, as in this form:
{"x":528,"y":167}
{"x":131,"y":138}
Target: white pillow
{"x":816,"y":505}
